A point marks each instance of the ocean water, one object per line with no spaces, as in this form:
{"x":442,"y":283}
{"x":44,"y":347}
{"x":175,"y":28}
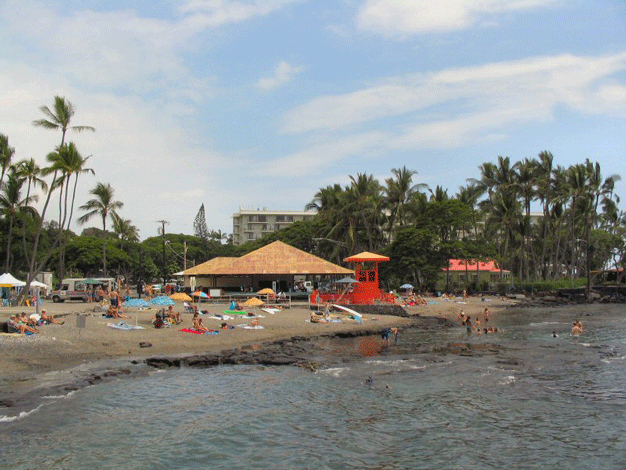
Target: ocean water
{"x":516,"y":399}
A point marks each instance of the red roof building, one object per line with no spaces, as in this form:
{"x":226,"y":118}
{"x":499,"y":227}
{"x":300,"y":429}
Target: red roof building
{"x":462,"y":274}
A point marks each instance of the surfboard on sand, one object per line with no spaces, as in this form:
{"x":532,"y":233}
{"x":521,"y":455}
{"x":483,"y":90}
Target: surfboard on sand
{"x":347,"y":310}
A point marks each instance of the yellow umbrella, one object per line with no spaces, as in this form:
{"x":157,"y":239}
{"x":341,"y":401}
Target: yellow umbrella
{"x":266,"y":291}
{"x":253,"y":302}
{"x":181,"y":296}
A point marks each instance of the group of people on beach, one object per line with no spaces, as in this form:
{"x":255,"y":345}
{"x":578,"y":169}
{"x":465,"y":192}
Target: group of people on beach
{"x":413,"y":300}
{"x":22,"y":324}
{"x":475,"y":326}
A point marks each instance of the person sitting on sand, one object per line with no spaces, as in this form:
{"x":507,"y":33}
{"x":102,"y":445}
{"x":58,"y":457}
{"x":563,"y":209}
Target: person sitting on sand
{"x":114,"y":312}
{"x":462,"y":317}
{"x":15,"y":325}
{"x":49,"y":319}
{"x":175,"y":316}
{"x":197,"y":323}
{"x":26,"y":320}
{"x":255,"y":322}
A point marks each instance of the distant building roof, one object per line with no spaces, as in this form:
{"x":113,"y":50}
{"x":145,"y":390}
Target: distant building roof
{"x":471,"y":265}
{"x":365,"y":256}
{"x":275,"y":258}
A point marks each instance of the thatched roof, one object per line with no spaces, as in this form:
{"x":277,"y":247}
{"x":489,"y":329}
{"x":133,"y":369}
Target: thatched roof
{"x":275,"y":258}
{"x":209,"y":266}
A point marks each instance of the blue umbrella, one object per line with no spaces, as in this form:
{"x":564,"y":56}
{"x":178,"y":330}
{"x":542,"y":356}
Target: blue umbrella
{"x":138,"y":303}
{"x":163,"y":301}
{"x":406,"y":286}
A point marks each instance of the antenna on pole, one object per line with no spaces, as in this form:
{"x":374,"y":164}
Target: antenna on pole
{"x":162,"y":230}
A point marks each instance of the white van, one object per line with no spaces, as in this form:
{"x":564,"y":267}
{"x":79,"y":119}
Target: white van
{"x":79,"y":288}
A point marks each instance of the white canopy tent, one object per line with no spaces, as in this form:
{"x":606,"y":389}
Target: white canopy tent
{"x":40,"y":285}
{"x":7,"y":280}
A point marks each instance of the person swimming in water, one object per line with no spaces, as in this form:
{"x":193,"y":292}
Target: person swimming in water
{"x":577,"y":328}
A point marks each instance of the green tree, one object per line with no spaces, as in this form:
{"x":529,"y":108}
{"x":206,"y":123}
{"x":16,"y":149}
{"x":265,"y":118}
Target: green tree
{"x":103,"y":205}
{"x":6,"y":155}
{"x":11,"y":203}
{"x":60,"y":117}
{"x":66,"y":162}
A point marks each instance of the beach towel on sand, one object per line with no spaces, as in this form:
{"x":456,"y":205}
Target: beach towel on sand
{"x":198,"y":332}
{"x":124,"y":326}
{"x":250,"y":327}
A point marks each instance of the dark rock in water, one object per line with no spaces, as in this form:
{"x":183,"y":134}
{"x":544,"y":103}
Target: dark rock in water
{"x":145,"y":344}
{"x":297,"y":350}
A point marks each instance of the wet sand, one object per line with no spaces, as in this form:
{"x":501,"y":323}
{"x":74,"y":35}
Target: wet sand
{"x":60,"y":352}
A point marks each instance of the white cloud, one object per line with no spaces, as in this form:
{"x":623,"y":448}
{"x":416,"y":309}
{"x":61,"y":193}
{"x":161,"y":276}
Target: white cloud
{"x":214,"y":13}
{"x":403,"y":17}
{"x":283,"y":73}
{"x":513,"y":91}
{"x":316,"y":158}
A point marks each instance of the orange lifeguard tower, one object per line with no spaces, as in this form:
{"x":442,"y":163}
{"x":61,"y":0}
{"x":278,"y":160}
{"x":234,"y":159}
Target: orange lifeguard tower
{"x":365,"y":290}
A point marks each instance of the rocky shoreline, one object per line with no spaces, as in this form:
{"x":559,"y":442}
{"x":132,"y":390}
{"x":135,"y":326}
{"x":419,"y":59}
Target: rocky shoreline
{"x":301,"y":351}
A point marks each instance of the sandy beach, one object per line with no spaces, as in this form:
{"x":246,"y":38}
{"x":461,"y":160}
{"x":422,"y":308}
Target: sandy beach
{"x":29,"y":362}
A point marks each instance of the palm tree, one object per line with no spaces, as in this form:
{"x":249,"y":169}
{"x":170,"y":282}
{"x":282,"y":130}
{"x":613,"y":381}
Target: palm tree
{"x":364,"y":203}
{"x":104,"y":206}
{"x":30,"y":171}
{"x":124,"y":229}
{"x":60,"y":117}
{"x":67,"y":161}
{"x":525,"y":176}
{"x":11,"y":203}
{"x":6,"y":155}
{"x":399,"y":191}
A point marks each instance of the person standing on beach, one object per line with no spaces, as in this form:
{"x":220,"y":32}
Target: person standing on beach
{"x":486,"y":315}
{"x":395,"y":334}
{"x":468,"y":324}
{"x":114,"y":298}
{"x":384,"y":334}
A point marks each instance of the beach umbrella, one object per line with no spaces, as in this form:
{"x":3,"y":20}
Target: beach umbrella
{"x":162,"y":301}
{"x":200,"y":294}
{"x":180,"y":296}
{"x":346,"y":280}
{"x":253,"y":302}
{"x":266,"y":291}
{"x":406,"y":286}
{"x":137,"y":303}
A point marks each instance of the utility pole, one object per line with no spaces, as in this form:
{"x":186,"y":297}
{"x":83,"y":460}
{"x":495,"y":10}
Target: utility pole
{"x":163,"y":272}
{"x":184,"y":256}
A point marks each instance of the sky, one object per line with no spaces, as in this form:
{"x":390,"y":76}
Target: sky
{"x":260,"y":103}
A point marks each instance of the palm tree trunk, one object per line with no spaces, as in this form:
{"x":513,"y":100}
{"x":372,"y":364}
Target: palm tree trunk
{"x":9,"y":239}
